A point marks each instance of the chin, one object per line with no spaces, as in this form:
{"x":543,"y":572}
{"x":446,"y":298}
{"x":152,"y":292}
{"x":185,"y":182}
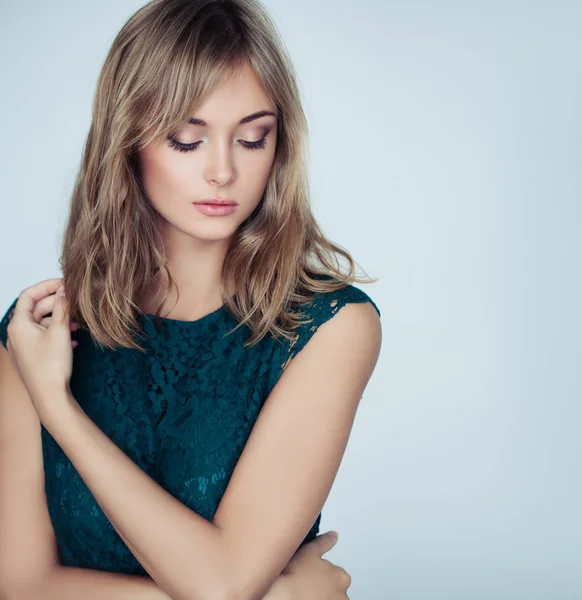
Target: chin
{"x":200,"y":226}
{"x":214,"y":231}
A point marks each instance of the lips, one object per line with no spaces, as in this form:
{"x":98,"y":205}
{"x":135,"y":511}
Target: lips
{"x":215,"y":202}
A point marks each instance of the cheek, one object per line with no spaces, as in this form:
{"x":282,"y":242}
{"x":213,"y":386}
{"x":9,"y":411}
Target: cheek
{"x":163,"y":177}
{"x":258,"y":169}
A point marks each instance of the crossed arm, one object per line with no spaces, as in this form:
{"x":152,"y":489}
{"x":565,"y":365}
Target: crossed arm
{"x":279,"y":485}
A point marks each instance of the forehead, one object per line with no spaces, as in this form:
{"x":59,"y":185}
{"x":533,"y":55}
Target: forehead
{"x":237,"y":96}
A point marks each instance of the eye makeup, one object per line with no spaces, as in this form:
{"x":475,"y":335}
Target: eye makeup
{"x":180,"y":147}
{"x":258,"y":145}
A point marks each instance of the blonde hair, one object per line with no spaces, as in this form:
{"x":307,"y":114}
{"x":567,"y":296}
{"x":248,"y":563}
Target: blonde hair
{"x":166,"y":59}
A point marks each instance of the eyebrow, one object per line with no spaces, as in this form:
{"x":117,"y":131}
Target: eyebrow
{"x":247,"y":119}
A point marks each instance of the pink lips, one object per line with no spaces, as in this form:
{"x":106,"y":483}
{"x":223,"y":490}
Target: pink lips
{"x":214,"y":209}
{"x":217,"y":201}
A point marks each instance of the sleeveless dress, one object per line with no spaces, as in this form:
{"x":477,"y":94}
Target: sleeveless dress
{"x":182,"y":412}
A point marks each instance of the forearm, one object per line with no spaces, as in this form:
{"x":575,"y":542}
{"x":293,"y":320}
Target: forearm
{"x":280,"y":590}
{"x":181,"y":551}
{"x":184,"y":554}
{"x":72,"y":583}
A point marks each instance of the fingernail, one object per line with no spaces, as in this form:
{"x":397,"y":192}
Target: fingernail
{"x":61,"y":291}
{"x":334,"y":534}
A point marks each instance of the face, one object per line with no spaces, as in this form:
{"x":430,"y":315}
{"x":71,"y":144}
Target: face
{"x":214,"y":156}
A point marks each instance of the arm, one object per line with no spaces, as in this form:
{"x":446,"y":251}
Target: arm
{"x":29,"y":568}
{"x":279,"y":485}
{"x":71,"y":583}
{"x":28,"y":555}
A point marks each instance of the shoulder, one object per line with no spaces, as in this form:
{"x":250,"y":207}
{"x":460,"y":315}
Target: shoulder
{"x":348,"y":315}
{"x":326,"y":304}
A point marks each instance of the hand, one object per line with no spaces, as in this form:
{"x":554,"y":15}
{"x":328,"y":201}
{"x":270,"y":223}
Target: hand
{"x":309,"y":576}
{"x":41,"y":352}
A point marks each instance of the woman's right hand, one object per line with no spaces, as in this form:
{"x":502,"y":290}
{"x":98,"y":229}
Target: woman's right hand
{"x":309,"y":576}
{"x":44,"y":307}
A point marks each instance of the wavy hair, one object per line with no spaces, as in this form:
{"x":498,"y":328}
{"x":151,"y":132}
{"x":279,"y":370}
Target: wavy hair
{"x":167,"y":58}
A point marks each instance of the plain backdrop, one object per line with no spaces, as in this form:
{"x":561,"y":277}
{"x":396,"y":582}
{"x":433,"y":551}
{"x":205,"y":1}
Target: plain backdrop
{"x":446,"y":157}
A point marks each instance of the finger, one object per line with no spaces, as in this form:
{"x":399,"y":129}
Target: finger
{"x":46,"y":321}
{"x":325,"y":542}
{"x":344,"y":577}
{"x":43,"y":307}
{"x":31,"y":295}
{"x":60,"y":314}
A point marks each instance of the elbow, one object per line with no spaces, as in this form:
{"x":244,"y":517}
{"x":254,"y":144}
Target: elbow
{"x":242,"y":593}
{"x":218,"y":591}
{"x":225,"y":580}
{"x":215,"y":595}
{"x":235,"y":594}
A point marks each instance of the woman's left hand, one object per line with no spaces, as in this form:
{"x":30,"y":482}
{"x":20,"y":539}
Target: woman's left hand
{"x":43,"y":356}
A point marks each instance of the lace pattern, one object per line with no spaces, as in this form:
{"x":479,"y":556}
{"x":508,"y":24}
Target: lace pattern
{"x":183,"y":413}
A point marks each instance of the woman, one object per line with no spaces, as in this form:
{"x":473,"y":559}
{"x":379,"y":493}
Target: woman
{"x":187,"y":455}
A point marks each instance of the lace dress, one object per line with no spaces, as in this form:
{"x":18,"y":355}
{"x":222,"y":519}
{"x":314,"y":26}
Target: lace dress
{"x":183,"y":413}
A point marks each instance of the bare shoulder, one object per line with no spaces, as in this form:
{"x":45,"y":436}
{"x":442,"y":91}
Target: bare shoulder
{"x":356,"y":328}
{"x":288,"y":464}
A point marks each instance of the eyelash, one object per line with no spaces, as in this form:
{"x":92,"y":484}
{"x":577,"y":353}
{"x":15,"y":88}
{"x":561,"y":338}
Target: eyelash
{"x":259,"y":145}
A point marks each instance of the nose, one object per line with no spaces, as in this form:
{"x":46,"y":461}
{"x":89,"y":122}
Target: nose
{"x":219,"y":167}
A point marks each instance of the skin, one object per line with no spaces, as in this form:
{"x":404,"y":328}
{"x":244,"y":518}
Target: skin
{"x":196,"y":244}
{"x":41,"y":366}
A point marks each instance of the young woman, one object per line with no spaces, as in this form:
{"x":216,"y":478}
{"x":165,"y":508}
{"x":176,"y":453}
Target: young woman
{"x":183,"y":444}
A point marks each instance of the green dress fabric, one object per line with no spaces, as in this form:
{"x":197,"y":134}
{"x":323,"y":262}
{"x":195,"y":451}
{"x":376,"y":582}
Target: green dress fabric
{"x":182,"y":412}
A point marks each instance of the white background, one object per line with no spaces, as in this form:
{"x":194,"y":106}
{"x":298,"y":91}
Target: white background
{"x":445,"y":156}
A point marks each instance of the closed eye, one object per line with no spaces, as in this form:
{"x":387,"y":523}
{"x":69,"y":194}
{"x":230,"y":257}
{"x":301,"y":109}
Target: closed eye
{"x":258,"y":145}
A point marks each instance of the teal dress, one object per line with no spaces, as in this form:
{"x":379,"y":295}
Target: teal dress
{"x":182,"y":412}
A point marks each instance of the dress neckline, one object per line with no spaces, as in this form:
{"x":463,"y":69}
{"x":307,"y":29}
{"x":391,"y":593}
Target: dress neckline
{"x":184,"y":323}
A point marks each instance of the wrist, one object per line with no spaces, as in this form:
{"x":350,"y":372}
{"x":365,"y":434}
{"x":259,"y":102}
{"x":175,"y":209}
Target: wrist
{"x":281,"y":589}
{"x":63,"y":410}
